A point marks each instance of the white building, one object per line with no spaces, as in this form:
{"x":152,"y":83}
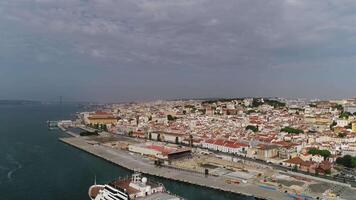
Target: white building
{"x":225,"y":146}
{"x":350,"y":108}
{"x":342,"y":122}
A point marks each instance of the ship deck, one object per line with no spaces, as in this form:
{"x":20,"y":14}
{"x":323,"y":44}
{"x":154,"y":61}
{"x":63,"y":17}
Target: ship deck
{"x":124,"y":184}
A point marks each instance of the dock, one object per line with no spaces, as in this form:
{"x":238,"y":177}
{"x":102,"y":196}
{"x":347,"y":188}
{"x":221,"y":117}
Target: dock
{"x":145,"y":166}
{"x":52,"y":124}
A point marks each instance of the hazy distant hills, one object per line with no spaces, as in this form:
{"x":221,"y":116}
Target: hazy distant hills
{"x":18,"y":102}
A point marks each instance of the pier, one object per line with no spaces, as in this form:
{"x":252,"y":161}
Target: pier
{"x":136,"y":163}
{"x":52,"y":124}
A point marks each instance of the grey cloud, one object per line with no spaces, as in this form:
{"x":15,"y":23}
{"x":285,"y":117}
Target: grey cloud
{"x":238,"y":36}
{"x":209,"y":33}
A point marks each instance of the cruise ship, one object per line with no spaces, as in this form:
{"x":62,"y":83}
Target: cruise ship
{"x":131,"y":188}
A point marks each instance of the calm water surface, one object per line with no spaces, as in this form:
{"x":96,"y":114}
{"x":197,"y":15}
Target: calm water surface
{"x":34,"y":165}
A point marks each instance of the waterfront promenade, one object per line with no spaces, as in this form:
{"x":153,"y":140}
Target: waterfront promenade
{"x":137,"y":163}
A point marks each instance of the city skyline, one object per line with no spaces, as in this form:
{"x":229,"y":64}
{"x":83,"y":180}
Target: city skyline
{"x":112,"y":51}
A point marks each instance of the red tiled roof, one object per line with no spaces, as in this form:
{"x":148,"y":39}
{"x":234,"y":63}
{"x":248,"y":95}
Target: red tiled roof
{"x":101,"y":115}
{"x":285,"y":144}
{"x":161,"y":149}
{"x":299,"y":161}
{"x":226,"y":143}
{"x":295,"y":160}
{"x":219,"y":142}
{"x":325,"y":165}
{"x":235,"y":145}
{"x":210,"y":141}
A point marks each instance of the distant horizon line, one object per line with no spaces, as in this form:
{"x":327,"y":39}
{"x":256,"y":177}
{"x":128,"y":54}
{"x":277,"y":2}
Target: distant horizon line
{"x":168,"y":99}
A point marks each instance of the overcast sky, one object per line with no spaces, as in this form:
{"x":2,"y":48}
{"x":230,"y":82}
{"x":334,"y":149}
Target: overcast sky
{"x":119,"y":50}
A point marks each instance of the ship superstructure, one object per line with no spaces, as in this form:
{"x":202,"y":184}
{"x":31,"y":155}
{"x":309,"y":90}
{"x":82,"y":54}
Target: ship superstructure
{"x":136,"y":187}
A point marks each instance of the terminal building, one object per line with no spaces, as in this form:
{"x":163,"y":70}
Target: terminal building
{"x":160,"y":151}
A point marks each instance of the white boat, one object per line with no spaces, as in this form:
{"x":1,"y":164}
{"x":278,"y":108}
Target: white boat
{"x":134,"y":188}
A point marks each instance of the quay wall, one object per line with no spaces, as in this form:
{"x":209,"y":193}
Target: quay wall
{"x":131,"y":162}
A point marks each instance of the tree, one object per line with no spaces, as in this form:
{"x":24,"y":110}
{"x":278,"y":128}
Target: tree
{"x":292,"y":130}
{"x":313,"y":151}
{"x":96,"y":126}
{"x":190,"y":140}
{"x":347,"y":161}
{"x":189,"y":106}
{"x":341,"y":135}
{"x":256,"y":102}
{"x":349,"y":126}
{"x":275,"y":103}
{"x":339,"y":107}
{"x":130,"y":133}
{"x":332,"y":125}
{"x":345,"y":115}
{"x":252,"y":128}
{"x":171,"y":118}
{"x":250,"y":111}
{"x":324,"y":153}
{"x":313,"y":105}
{"x":104,"y":127}
{"x":295,"y":168}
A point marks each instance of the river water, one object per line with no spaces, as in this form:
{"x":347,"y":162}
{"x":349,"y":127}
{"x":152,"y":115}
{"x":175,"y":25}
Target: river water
{"x":34,"y":165}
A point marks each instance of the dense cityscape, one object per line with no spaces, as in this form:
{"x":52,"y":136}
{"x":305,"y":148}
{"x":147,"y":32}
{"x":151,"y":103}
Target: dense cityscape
{"x":303,"y":148}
